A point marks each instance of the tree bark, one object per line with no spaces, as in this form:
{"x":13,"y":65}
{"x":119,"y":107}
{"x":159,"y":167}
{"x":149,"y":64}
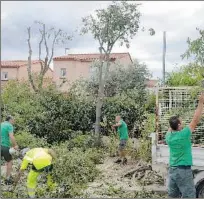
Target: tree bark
{"x":30,"y":63}
{"x":100,"y":96}
{"x":99,"y":101}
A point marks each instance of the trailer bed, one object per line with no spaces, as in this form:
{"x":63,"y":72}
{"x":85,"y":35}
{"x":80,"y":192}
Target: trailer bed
{"x":162,"y":155}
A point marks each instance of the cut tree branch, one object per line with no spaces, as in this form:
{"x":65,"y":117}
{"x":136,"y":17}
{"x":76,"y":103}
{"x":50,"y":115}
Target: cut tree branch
{"x":53,"y":45}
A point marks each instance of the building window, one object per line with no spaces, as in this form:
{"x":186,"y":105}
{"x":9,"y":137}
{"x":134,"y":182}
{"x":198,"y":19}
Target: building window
{"x":63,"y":72}
{"x":4,"y":76}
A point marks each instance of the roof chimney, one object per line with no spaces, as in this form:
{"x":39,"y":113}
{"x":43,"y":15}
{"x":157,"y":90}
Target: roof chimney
{"x":66,"y":49}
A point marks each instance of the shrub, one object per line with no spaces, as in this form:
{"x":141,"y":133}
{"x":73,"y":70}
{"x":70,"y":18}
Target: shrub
{"x":129,"y":105}
{"x":62,"y":115}
{"x":151,"y":103}
{"x":19,"y":101}
{"x":144,"y":150}
{"x":83,"y":141}
{"x":73,"y":170}
{"x":112,"y":146}
{"x":25,"y":139}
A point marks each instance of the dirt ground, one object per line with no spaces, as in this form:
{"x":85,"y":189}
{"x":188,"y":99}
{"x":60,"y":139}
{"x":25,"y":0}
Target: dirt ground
{"x":136,"y":179}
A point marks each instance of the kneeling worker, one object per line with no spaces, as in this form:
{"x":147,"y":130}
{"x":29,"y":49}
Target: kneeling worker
{"x":41,"y":161}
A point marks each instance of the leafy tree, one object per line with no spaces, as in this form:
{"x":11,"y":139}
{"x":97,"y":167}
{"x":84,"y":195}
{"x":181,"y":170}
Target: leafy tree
{"x":61,"y":117}
{"x":196,"y":48}
{"x":189,"y":75}
{"x":49,"y":38}
{"x":122,"y":79}
{"x":19,"y":101}
{"x":119,"y":22}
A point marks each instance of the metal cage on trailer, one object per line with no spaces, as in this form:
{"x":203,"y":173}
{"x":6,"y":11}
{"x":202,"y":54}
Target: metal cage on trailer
{"x":183,"y":101}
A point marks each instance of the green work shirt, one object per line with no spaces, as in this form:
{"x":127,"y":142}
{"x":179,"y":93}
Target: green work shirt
{"x":180,"y":147}
{"x":123,"y":130}
{"x":6,"y":128}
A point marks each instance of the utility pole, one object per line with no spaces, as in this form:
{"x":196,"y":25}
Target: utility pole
{"x":164,"y":56}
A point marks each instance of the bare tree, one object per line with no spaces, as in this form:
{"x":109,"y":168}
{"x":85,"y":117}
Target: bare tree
{"x":119,"y":22}
{"x":49,"y":38}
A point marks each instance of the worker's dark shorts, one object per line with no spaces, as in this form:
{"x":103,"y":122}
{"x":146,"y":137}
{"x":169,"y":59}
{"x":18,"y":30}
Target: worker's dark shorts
{"x":180,"y":183}
{"x":122,"y":144}
{"x":46,"y":169}
{"x":5,"y":153}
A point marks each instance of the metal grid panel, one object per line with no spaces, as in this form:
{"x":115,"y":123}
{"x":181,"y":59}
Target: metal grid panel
{"x":178,"y":101}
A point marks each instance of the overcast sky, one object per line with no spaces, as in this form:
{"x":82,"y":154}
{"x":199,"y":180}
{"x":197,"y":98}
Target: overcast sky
{"x":178,"y":18}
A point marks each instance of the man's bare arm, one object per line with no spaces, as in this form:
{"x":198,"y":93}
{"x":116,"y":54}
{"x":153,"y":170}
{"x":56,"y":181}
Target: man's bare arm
{"x":13,"y":140}
{"x":198,"y":113}
{"x":117,"y":125}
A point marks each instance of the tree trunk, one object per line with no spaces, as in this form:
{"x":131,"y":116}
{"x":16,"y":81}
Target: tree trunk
{"x":100,"y":97}
{"x":99,"y":102}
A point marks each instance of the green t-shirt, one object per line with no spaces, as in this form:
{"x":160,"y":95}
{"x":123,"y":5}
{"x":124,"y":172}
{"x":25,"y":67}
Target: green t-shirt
{"x":123,"y":130}
{"x":6,"y":128}
{"x":180,"y":147}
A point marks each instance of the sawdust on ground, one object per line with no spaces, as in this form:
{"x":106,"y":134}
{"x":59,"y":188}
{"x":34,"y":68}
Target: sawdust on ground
{"x":117,"y":180}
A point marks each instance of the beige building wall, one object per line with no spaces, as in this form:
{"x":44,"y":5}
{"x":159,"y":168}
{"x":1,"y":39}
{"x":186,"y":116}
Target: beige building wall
{"x":74,"y":70}
{"x":77,"y":69}
{"x":23,"y":73}
{"x":12,"y":73}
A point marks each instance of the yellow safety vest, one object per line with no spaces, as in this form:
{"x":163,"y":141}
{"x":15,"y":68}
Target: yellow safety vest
{"x":39,"y":157}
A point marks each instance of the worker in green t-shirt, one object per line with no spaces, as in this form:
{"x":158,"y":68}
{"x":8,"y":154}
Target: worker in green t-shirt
{"x":7,"y":137}
{"x":123,"y":135}
{"x":180,"y":161}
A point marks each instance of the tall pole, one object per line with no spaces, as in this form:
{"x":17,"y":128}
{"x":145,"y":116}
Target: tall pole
{"x":164,"y":56}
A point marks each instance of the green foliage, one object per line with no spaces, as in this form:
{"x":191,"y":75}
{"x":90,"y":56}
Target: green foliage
{"x":82,"y":141}
{"x":144,"y":150}
{"x":20,"y":102}
{"x":150,"y":105}
{"x":196,"y":48}
{"x":57,"y":117}
{"x":189,"y":75}
{"x":112,"y":145}
{"x":149,"y":194}
{"x":62,"y":115}
{"x":121,"y":79}
{"x":25,"y":139}
{"x":74,"y":169}
{"x":130,"y":106}
{"x":118,"y":22}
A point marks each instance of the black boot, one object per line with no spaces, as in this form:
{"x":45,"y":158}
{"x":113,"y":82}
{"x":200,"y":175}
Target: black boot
{"x":118,"y":161}
{"x":9,"y":181}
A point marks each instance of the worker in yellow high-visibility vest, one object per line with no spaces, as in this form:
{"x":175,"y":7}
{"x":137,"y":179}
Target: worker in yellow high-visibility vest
{"x":41,"y":160}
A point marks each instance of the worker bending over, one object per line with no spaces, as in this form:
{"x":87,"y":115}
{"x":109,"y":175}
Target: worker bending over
{"x":41,"y":160}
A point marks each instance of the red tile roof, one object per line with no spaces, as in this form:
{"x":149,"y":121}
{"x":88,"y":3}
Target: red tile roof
{"x":151,"y":83}
{"x":90,"y":57}
{"x":16,"y":63}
